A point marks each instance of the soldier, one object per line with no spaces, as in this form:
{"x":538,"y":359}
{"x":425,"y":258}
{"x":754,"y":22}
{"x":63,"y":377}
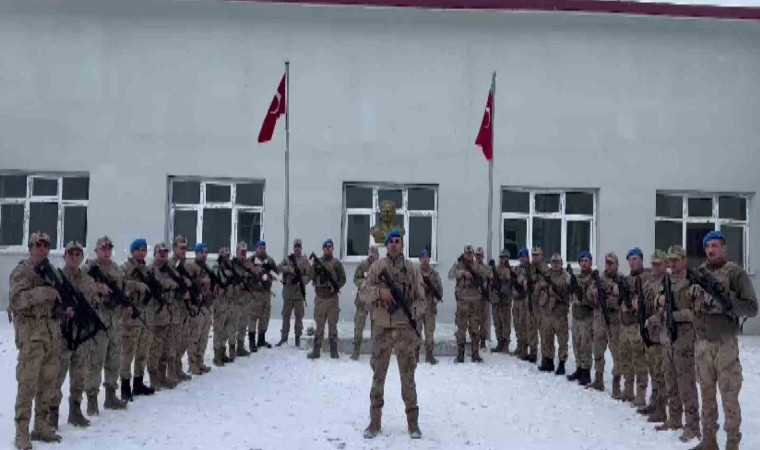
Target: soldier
{"x":223,"y":316}
{"x":717,"y":347}
{"x":554,"y":314}
{"x":433,"y":294}
{"x":105,"y":349}
{"x":393,"y":330}
{"x":329,"y":276}
{"x":38,"y":334}
{"x":295,"y":271}
{"x":468,"y":275}
{"x":362,"y":310}
{"x":520,"y":304}
{"x":181,"y":326}
{"x":74,"y":361}
{"x":678,"y":359}
{"x":501,"y":303}
{"x":586,"y":299}
{"x":535,"y":282}
{"x":632,"y":350}
{"x":164,"y":344}
{"x":136,"y":339}
{"x":243,"y":305}
{"x":479,"y":261}
{"x":605,"y":334}
{"x":263,"y":266}
{"x":200,"y":324}
{"x":658,"y":400}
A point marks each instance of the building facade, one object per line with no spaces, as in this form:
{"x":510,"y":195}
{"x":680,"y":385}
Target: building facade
{"x":140,"y":120}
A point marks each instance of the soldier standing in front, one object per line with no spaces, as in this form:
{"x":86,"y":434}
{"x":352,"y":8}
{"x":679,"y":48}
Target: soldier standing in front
{"x":480,"y":263}
{"x":329,"y":277}
{"x":225,"y":318}
{"x":632,"y":350}
{"x":393,"y":330}
{"x":33,"y":303}
{"x":181,"y":328}
{"x":265,"y":268}
{"x":502,"y":286}
{"x":520,"y":303}
{"x":554,"y":314}
{"x":295,"y":277}
{"x":586,"y":298}
{"x":717,"y":346}
{"x":468,"y":277}
{"x":607,"y":333}
{"x":433,"y":294}
{"x":656,"y":410}
{"x":362,"y":310}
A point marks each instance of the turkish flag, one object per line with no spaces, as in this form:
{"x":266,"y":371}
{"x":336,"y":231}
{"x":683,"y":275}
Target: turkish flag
{"x":276,"y":109}
{"x":485,"y":134}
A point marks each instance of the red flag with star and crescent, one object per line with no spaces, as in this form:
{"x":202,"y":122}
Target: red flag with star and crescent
{"x":485,"y":134}
{"x":276,"y":109}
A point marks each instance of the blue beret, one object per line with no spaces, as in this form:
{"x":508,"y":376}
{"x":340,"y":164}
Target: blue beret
{"x":393,"y":234}
{"x":199,"y":247}
{"x":523,"y":252}
{"x":711,"y":236}
{"x":328,"y":242}
{"x":138,"y":244}
{"x":585,"y":254}
{"x":424,"y":253}
{"x":261,"y":243}
{"x":635,"y":251}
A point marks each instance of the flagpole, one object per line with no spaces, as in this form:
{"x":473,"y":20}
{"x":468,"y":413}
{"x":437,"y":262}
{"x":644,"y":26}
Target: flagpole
{"x":286,"y":231}
{"x":489,"y":240}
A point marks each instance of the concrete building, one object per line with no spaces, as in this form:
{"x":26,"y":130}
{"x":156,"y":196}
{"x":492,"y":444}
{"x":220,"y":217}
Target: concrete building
{"x":139,"y":119}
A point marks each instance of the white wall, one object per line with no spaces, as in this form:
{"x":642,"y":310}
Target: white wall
{"x":137,"y":91}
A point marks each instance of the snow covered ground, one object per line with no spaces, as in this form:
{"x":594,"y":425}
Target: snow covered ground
{"x":277,"y":399}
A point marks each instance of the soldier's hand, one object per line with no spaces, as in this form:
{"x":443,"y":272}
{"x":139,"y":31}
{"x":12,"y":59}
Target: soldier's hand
{"x":104,"y":291}
{"x":386,"y":298}
{"x":49,"y":293}
{"x":218,"y":291}
{"x":661,"y":301}
{"x":69,"y":312}
{"x":635,"y":303}
{"x":186,"y":296}
{"x":467,"y":275}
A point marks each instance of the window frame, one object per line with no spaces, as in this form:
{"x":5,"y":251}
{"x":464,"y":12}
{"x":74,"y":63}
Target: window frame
{"x":203,"y":204}
{"x":565,"y":218}
{"x":685,"y":219}
{"x":30,"y":198}
{"x":402,"y":210}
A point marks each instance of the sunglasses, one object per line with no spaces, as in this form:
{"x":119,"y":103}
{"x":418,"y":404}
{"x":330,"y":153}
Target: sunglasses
{"x":40,"y":244}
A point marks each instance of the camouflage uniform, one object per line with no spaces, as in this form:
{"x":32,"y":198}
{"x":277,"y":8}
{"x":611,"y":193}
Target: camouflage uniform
{"x":469,"y":306}
{"x":223,"y":313}
{"x":38,"y":335}
{"x":163,"y":346}
{"x":654,"y":353}
{"x":520,"y":313}
{"x":181,"y":323}
{"x":501,"y":308}
{"x":534,"y":313}
{"x":632,"y":350}
{"x":243,"y":305}
{"x":293,"y":301}
{"x":604,"y":335}
{"x":429,"y":310}
{"x":584,"y":307}
{"x":554,"y":309}
{"x":261,"y":312}
{"x":200,"y":324}
{"x":717,"y":350}
{"x":136,"y":340}
{"x":326,"y":304}
{"x":362,"y":310}
{"x":392,"y":332}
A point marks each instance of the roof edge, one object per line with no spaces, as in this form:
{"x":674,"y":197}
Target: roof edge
{"x":626,"y":7}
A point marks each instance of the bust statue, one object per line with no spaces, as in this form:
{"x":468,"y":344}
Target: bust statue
{"x":387,"y":222}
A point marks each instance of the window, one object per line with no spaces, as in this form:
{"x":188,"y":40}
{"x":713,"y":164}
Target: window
{"x":219,"y":213}
{"x":685,"y":218}
{"x":561,"y":222}
{"x":53,"y":203}
{"x":416,"y":210}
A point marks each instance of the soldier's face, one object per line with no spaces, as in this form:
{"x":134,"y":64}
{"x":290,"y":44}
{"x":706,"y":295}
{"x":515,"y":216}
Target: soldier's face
{"x":395,"y":246}
{"x":610,"y":266}
{"x":201,"y":256}
{"x":140,"y":254}
{"x":479,"y":257}
{"x":261,"y":251}
{"x":502,"y":260}
{"x":537,"y":258}
{"x":658,"y":267}
{"x":73,"y":258}
{"x":677,"y":265}
{"x":327,"y":249}
{"x":585,"y":264}
{"x":523,"y":259}
{"x":716,"y":250}
{"x":373,"y":254}
{"x":297,"y":249}
{"x":635,"y":262}
{"x":556,"y":264}
{"x":40,"y":249}
{"x":180,"y":250}
{"x":468,"y":255}
{"x":425,"y":260}
{"x":104,"y":252}
{"x":162,"y":256}
{"x":242,"y":253}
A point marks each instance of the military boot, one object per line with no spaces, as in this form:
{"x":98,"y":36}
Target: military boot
{"x":617,"y":394}
{"x":476,"y":354}
{"x":75,"y":414}
{"x":317,"y":350}
{"x":499,"y":346}
{"x":628,"y":395}
{"x":334,"y":349}
{"x":126,"y":390}
{"x":575,"y":375}
{"x":560,"y":368}
{"x":598,"y":383}
{"x":585,"y":378}
{"x":671,"y":424}
{"x":262,"y":341}
{"x":113,"y":402}
{"x":155,"y":381}
{"x":657,"y":415}
{"x":483,"y":343}
{"x":218,"y":360}
{"x":231,"y":353}
{"x":413,"y":425}
{"x":689,"y":434}
{"x":460,"y":354}
{"x":241,"y":351}
{"x":42,"y":431}
{"x":283,"y":341}
{"x":202,"y":364}
{"x":181,"y":375}
{"x":22,"y":441}
{"x":373,"y":429}
{"x":52,"y":418}
{"x":92,"y":405}
{"x":532,"y":357}
{"x":646,"y":410}
{"x":357,"y":349}
{"x":429,"y":358}
{"x":640,"y":399}
{"x":251,"y":342}
{"x":547,"y":365}
{"x":139,"y":387}
{"x":298,"y":341}
{"x":733,"y":443}
{"x":169,"y":378}
{"x":711,"y":443}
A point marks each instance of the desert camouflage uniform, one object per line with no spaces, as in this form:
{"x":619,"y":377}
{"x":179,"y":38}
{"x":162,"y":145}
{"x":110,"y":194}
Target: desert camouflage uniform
{"x":164,"y":344}
{"x":243,"y":307}
{"x":584,"y":307}
{"x":261,"y":312}
{"x":632,"y":351}
{"x":469,"y":305}
{"x":554,"y":309}
{"x":181,"y":324}
{"x":362,"y":310}
{"x":534,"y":318}
{"x":224,"y":323}
{"x":520,"y":312}
{"x":604,"y":335}
{"x":200,"y":324}
{"x":137,"y":338}
{"x":501,"y":309}
{"x":429,"y":310}
{"x":293,"y":301}
{"x":658,"y":399}
{"x":326,"y":304}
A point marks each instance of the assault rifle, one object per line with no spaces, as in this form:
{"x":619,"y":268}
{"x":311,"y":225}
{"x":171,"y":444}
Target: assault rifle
{"x":496,"y":278}
{"x":117,"y":297}
{"x":429,"y":285}
{"x":476,"y":279}
{"x":670,"y":308}
{"x":575,"y":288}
{"x":298,"y":276}
{"x":602,"y":298}
{"x":529,"y":279}
{"x":268,"y":267}
{"x":513,"y":276}
{"x":154,"y":287}
{"x":399,"y":301}
{"x":324,"y":274}
{"x":641,"y":313}
{"x":87,"y":321}
{"x":179,"y":275}
{"x":714,"y":288}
